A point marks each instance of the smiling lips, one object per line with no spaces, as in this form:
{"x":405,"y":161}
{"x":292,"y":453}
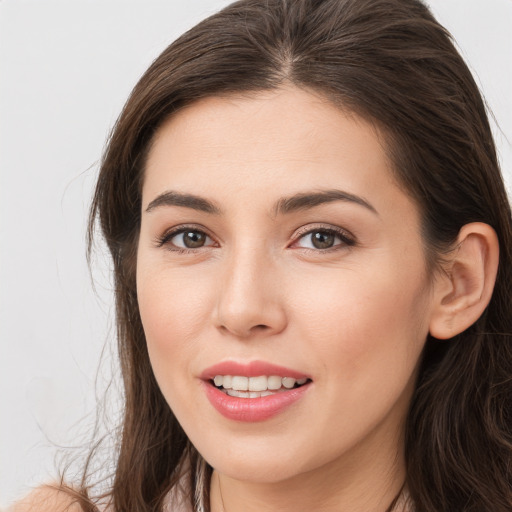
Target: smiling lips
{"x":253,"y":392}
{"x":255,"y":387}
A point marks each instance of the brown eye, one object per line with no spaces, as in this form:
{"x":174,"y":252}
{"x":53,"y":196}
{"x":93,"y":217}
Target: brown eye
{"x":323,"y":239}
{"x":190,"y":239}
{"x":194,"y":239}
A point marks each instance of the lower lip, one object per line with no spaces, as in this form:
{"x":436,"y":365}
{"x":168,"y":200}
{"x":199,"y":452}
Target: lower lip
{"x":253,"y":409}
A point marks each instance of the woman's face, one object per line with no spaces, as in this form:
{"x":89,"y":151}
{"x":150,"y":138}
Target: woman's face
{"x":277,"y":251}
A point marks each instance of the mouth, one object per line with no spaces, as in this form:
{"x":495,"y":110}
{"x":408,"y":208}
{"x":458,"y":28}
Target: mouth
{"x":256,"y":387}
{"x":254,"y":391}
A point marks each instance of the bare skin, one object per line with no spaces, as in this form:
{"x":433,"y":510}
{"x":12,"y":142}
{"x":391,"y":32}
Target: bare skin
{"x":354,"y":316}
{"x":336,"y":289}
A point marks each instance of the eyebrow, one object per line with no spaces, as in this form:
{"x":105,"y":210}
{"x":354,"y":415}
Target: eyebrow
{"x":285,"y":205}
{"x":306,"y":200}
{"x":171,"y":198}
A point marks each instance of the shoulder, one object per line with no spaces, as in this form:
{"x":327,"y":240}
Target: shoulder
{"x":47,"y":498}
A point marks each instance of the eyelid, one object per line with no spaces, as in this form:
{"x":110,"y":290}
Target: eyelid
{"x":170,"y":233}
{"x":346,"y":237}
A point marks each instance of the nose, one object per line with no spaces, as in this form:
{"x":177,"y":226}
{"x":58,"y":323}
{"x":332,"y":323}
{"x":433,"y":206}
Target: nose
{"x":249,"y":297}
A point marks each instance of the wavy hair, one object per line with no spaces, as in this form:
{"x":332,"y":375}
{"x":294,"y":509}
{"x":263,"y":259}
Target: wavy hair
{"x":391,"y":62}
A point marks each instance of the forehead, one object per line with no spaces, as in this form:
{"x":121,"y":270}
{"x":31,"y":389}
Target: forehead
{"x":272,"y":142}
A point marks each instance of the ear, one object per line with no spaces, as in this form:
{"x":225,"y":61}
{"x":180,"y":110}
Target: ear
{"x":464,"y":289}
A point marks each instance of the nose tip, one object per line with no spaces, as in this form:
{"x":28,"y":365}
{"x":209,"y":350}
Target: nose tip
{"x":245,"y":320}
{"x":249,"y":303}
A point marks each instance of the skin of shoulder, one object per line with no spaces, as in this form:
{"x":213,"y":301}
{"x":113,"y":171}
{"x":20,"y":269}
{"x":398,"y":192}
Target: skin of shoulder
{"x":47,"y":498}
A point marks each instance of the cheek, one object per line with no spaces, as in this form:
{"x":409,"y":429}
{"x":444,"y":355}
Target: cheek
{"x":174,"y":311}
{"x":365,"y":332}
{"x":173,"y":314}
{"x":359,"y":318}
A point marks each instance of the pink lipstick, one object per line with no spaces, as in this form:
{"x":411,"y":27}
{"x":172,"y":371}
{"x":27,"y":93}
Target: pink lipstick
{"x":253,"y":391}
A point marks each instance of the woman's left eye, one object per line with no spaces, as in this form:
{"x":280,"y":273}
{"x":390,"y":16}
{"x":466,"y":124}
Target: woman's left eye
{"x":323,"y":239}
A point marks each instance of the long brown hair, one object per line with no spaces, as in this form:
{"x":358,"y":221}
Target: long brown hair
{"x":392,"y":63}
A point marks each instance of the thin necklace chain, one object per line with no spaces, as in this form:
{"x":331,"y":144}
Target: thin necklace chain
{"x":221,"y":497}
{"x":389,"y":509}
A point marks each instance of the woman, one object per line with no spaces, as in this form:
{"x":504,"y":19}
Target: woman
{"x":311,"y":244}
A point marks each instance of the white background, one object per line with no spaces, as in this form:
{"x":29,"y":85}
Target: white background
{"x":66,"y":68}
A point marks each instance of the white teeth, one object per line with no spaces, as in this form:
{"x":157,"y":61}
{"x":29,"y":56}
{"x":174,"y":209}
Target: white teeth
{"x":232,"y":392}
{"x":262,"y":383}
{"x":288,"y":382}
{"x":240,"y":383}
{"x":258,"y":383}
{"x":247,"y":394}
{"x":275,"y":382}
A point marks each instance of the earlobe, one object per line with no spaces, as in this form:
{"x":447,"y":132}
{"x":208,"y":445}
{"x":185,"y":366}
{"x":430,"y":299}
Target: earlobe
{"x":464,"y":290}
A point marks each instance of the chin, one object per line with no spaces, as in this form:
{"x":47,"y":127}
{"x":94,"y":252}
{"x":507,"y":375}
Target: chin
{"x":268,"y":472}
{"x":259,"y":461}
{"x":264,"y":460}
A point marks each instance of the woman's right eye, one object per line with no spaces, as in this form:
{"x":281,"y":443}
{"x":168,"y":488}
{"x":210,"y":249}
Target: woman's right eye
{"x":186,"y":239}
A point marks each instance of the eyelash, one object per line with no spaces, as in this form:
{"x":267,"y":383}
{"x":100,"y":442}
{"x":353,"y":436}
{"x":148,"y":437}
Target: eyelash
{"x":169,"y":235}
{"x":346,"y":238}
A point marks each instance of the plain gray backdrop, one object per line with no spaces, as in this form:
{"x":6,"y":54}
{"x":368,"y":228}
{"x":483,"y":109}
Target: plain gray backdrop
{"x":66,"y":68}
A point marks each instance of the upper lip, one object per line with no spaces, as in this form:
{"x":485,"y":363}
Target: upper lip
{"x":250,"y":369}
